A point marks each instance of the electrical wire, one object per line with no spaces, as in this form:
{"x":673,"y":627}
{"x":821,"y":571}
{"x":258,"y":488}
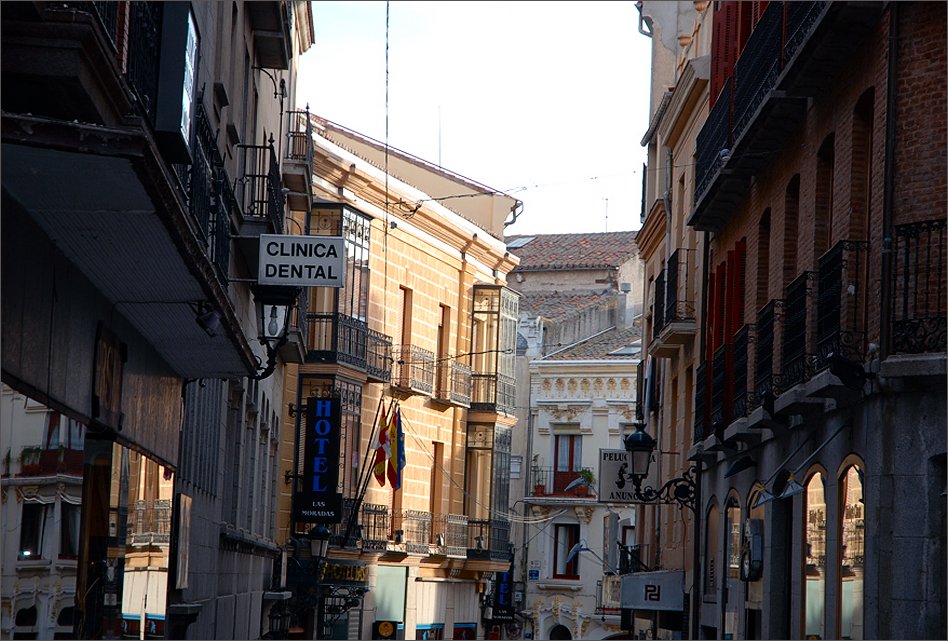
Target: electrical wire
{"x":513,"y":518}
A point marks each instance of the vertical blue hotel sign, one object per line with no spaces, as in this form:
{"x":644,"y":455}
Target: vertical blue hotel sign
{"x":316,"y":499}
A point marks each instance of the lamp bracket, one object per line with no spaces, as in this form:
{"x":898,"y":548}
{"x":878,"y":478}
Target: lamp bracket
{"x":293,"y":410}
{"x":680,"y":491}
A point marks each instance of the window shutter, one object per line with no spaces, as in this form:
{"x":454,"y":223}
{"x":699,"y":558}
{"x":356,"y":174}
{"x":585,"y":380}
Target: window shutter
{"x":721,"y":305}
{"x":717,"y":42}
{"x":709,"y":319}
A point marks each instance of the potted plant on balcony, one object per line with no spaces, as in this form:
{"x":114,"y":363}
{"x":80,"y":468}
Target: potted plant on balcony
{"x":588,"y":484}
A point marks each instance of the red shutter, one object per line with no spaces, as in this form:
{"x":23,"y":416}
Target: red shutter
{"x":723,"y":46}
{"x":717,"y":55}
{"x":720,"y":327}
{"x":744,"y":16}
{"x":709,"y":321}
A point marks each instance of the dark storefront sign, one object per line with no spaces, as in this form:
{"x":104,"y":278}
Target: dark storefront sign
{"x":332,"y":572}
{"x":503,"y":608}
{"x":316,"y":499}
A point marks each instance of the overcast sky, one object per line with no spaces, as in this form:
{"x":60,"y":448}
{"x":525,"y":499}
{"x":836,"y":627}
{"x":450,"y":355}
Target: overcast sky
{"x":547,"y":101}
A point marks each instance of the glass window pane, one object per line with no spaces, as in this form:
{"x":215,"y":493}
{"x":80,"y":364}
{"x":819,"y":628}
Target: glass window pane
{"x":814,"y":512}
{"x":734,"y":591}
{"x":31,"y":531}
{"x":851,"y":554}
{"x":711,"y":555}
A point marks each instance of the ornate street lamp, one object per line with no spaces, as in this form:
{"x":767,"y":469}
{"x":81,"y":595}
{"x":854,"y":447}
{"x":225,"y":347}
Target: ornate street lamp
{"x":274,"y":305}
{"x":680,"y":490}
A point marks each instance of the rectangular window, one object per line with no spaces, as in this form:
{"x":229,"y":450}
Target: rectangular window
{"x":435,"y":498}
{"x":567,"y":460}
{"x":516,"y":463}
{"x":565,"y":536}
{"x":406,"y":315}
{"x":31,"y":530}
{"x":569,"y":450}
{"x":69,"y":531}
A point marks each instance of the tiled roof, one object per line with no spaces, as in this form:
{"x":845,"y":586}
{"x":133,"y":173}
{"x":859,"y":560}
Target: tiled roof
{"x":555,"y":305}
{"x":602,"y":346}
{"x":550,"y":252}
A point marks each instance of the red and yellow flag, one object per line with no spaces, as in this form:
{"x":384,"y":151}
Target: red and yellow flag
{"x":383,"y":451}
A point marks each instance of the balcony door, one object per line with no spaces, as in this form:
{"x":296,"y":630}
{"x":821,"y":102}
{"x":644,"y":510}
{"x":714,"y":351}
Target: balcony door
{"x":567,"y":460}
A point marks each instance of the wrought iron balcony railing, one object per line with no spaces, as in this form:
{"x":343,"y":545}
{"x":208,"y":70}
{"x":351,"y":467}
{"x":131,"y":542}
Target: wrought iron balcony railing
{"x":766,"y":383}
{"x":144,"y":37}
{"x":840,"y":325}
{"x":918,"y":288}
{"x":492,"y":392}
{"x":378,"y":356}
{"x":416,"y":528}
{"x":337,"y":531}
{"x":299,"y":138}
{"x":679,"y":304}
{"x":713,"y":143}
{"x":336,"y":338}
{"x":548,"y":481}
{"x":756,"y":71}
{"x":770,"y":50}
{"x":797,"y":365}
{"x":298,"y":316}
{"x":260,"y":187}
{"x":415,"y":369}
{"x":205,"y":187}
{"x":488,"y":539}
{"x":454,"y":529}
{"x":801,"y":17}
{"x":454,"y":383}
{"x":741,"y":362}
{"x":721,"y":380}
{"x":632,"y":558}
{"x":376,"y":527}
{"x":298,"y":164}
{"x":658,"y":307}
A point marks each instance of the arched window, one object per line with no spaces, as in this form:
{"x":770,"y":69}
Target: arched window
{"x":712,"y":566}
{"x":852,"y":542}
{"x":755,"y":588}
{"x":814,"y":557}
{"x":734,"y":592}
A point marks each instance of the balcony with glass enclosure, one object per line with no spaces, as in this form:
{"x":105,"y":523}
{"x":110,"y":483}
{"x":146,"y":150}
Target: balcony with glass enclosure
{"x":493,"y":355}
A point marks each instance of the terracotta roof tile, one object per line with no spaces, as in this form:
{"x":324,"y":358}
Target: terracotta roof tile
{"x":555,"y":305}
{"x":602,"y":346}
{"x":551,"y":252}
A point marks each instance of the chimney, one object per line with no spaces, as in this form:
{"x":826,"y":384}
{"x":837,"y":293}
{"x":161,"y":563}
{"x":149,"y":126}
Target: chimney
{"x":624,"y":305}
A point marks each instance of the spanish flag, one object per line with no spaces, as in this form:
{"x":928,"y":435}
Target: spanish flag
{"x":396,"y":461}
{"x":382,"y":452}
